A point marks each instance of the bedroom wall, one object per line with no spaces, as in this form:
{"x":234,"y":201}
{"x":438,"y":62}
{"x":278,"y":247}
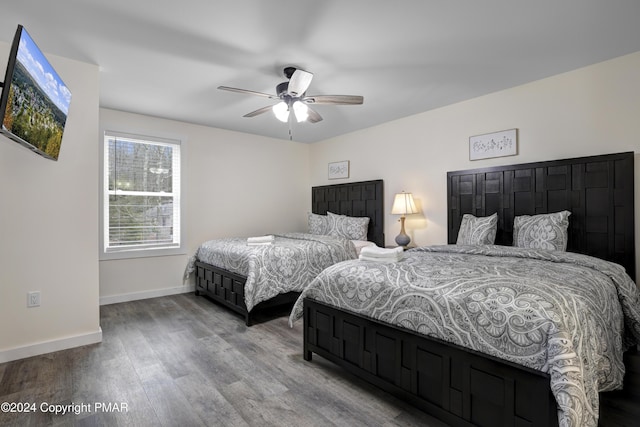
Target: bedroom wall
{"x":234,"y":184}
{"x":590,"y":111}
{"x":49,"y":225}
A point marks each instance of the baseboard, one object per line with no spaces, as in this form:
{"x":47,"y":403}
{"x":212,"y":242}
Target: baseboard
{"x":114,"y":299}
{"x":50,"y":346}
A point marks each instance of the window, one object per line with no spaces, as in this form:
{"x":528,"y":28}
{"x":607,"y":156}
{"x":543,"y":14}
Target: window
{"x":141,"y":201}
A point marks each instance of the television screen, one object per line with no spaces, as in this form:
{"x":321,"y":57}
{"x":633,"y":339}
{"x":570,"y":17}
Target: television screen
{"x":35,"y":101}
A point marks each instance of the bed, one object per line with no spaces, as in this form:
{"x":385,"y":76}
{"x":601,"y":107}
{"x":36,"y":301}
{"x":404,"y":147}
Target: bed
{"x":496,"y":342}
{"x":243,"y":279}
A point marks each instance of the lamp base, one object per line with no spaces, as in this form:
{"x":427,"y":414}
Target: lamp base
{"x":402,"y":239}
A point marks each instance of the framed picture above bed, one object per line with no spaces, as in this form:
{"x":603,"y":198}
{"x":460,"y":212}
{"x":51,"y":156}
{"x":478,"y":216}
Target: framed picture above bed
{"x":496,"y":144}
{"x":337,"y":170}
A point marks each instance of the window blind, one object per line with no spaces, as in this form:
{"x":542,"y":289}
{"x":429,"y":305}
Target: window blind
{"x":142,"y":192}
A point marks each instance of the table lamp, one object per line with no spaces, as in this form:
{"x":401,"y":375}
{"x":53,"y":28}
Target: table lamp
{"x":403,"y":205}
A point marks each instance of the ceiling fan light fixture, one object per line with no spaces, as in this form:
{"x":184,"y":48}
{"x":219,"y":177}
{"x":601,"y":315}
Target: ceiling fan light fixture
{"x":281,"y":111}
{"x":301,"y":111}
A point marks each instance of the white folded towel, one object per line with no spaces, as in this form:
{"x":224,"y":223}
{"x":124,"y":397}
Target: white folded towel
{"x":380,"y":259}
{"x":261,"y":239}
{"x":259,"y":243}
{"x":378,"y":252}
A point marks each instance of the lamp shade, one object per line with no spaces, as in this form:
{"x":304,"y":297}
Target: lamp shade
{"x":403,"y":204}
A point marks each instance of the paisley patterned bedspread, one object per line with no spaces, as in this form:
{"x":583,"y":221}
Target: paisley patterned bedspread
{"x":289,"y":264}
{"x":566,"y":314}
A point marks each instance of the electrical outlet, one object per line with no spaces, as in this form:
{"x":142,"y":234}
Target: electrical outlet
{"x":33,"y":299}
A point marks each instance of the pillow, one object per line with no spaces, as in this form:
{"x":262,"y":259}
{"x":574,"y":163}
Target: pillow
{"x":318,"y":224}
{"x":546,"y":231}
{"x":477,"y":230}
{"x":349,"y":227}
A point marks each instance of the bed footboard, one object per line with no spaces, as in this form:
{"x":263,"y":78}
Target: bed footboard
{"x":222,"y":286}
{"x":227,"y":288}
{"x":459,"y":386}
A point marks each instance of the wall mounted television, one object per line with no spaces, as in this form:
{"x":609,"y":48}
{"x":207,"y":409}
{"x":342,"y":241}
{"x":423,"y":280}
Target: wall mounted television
{"x":35,"y":101}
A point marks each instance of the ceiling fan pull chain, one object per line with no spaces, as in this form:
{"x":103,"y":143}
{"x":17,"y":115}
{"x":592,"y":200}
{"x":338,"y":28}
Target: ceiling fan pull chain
{"x":290,"y":133}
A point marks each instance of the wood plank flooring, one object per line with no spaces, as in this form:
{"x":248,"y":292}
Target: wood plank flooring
{"x":185,"y":361}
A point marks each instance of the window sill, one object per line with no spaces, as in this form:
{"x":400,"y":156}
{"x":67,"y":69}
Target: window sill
{"x":141,"y":253}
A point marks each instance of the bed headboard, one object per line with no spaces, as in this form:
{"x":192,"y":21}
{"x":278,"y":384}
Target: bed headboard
{"x":363,"y":198}
{"x":598,"y":190}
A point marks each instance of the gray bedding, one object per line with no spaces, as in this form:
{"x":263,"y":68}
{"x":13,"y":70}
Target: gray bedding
{"x":289,"y":264}
{"x":566,"y":314}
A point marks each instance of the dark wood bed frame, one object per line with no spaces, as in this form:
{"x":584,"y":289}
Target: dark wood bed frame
{"x":360,"y":199}
{"x":457,"y":385}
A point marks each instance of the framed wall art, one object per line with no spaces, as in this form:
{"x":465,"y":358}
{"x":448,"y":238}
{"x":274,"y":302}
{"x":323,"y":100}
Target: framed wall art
{"x":339,"y":169}
{"x":496,"y":144}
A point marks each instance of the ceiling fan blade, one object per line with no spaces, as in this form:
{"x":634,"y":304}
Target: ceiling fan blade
{"x":314,"y":117}
{"x":299,"y":82}
{"x":259,"y":111}
{"x":247,"y":92}
{"x":333,"y":99}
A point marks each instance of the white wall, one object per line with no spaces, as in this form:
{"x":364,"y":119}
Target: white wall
{"x":49,"y":230}
{"x":593,"y":110}
{"x":234,"y":184}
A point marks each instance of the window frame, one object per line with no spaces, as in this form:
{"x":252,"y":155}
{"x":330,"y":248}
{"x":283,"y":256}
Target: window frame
{"x":138,"y":251}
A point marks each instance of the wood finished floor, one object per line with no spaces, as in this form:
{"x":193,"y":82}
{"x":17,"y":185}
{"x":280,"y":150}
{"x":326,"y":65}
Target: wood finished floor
{"x":185,"y":361}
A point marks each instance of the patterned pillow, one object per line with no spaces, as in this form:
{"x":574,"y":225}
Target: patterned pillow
{"x":546,"y":231}
{"x":477,"y":230}
{"x":349,"y":227}
{"x":318,"y":224}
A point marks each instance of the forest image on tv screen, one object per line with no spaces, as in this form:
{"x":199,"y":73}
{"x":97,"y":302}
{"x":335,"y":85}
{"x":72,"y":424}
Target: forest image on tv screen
{"x":38,"y":101}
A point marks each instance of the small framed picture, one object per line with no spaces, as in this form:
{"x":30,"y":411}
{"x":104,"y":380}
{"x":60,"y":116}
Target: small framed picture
{"x":496,"y":144}
{"x":339,"y":169}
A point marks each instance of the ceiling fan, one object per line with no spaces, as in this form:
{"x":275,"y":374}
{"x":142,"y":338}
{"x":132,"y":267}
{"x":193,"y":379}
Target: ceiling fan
{"x":292,"y":96}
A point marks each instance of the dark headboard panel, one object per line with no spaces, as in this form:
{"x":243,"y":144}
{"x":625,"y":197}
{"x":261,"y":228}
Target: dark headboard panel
{"x":353,"y":199}
{"x":598,"y":191}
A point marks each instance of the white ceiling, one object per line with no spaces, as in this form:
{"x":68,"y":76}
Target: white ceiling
{"x":166,"y":58}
